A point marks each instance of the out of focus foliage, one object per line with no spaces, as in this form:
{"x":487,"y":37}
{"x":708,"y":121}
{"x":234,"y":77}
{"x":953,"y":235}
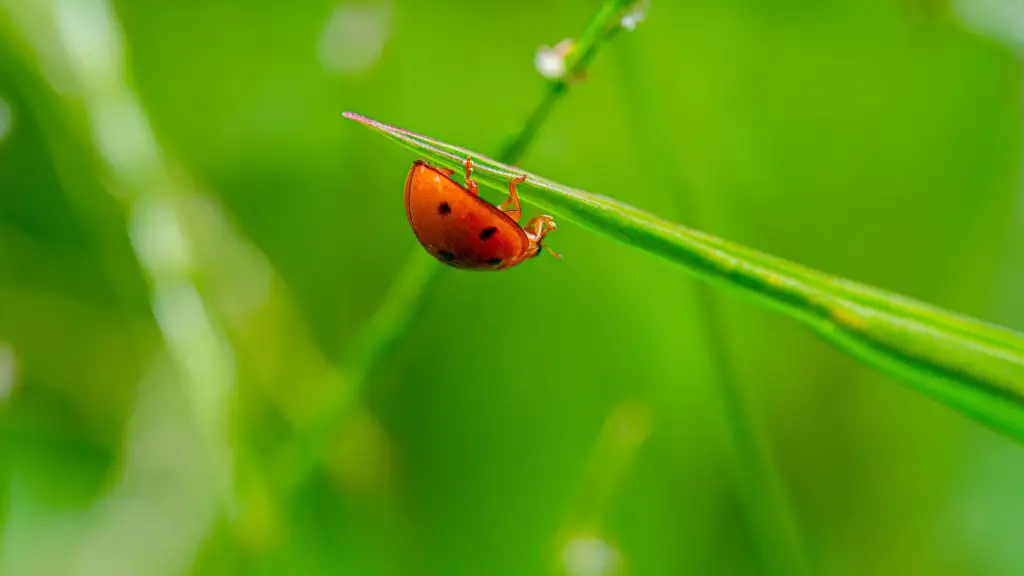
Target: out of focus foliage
{"x":192,"y":238}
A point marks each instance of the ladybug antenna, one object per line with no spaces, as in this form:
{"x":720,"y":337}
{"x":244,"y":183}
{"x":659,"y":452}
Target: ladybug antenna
{"x":553,"y":253}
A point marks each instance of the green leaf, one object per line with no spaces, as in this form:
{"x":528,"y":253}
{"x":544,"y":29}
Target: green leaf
{"x":974,"y":367}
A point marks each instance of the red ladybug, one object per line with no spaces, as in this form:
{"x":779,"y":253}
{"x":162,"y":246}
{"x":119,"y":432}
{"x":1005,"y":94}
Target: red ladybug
{"x":461,"y":229}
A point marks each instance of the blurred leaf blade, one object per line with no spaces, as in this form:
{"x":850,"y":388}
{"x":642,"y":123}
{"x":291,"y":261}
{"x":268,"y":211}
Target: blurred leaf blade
{"x":972,"y":366}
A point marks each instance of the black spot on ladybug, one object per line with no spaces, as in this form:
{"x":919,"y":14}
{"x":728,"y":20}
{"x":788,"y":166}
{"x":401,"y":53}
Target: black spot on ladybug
{"x":446,"y":255}
{"x":494,"y":261}
{"x":444,"y":209}
{"x":487,"y":233}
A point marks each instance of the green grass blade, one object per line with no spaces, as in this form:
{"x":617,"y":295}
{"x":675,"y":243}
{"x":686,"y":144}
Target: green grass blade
{"x":974,"y":367}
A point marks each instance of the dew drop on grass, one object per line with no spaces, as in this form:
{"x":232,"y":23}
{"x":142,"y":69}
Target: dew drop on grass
{"x":635,"y":14}
{"x":551,"y":60}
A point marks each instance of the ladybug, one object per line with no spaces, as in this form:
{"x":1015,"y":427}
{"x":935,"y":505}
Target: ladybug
{"x":458,"y":227}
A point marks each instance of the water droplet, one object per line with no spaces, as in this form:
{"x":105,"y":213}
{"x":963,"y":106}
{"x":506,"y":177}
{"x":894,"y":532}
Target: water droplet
{"x":551,"y":60}
{"x":354,"y":38}
{"x":586,"y":555}
{"x":6,"y":119}
{"x":635,"y":14}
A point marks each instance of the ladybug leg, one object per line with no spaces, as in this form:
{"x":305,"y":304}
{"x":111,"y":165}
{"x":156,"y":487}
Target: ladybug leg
{"x":537,"y":228}
{"x":470,"y":183}
{"x":513,"y":200}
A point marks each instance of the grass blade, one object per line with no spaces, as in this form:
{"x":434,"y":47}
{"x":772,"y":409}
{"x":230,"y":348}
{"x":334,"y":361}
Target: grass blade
{"x":974,"y":367}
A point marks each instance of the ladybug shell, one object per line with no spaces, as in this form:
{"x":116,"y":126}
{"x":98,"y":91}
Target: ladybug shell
{"x":458,"y":227}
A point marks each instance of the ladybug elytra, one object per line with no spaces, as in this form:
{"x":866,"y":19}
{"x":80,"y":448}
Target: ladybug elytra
{"x":461,"y":229}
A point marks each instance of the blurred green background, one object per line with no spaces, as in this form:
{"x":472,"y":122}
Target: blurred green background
{"x":192,"y":238}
